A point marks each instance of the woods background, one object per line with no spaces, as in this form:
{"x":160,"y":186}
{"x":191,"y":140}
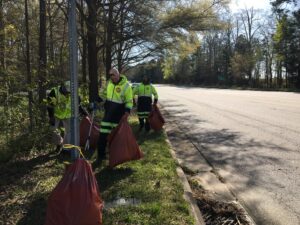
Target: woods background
{"x":199,"y":42}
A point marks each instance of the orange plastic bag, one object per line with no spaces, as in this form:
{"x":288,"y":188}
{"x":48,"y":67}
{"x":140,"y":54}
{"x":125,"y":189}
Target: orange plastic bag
{"x":76,"y":198}
{"x":122,"y":145}
{"x":85,"y":125}
{"x":155,"y":119}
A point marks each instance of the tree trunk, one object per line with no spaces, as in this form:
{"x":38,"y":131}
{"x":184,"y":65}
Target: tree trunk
{"x":271,"y":70}
{"x":119,"y":57}
{"x":83,"y":57}
{"x":51,"y":42}
{"x":109,"y":30}
{"x":61,"y":69}
{"x":2,"y":37}
{"x":286,"y":74}
{"x":42,"y":57}
{"x":120,"y":49}
{"x":298,"y":77}
{"x":267,"y":71}
{"x":279,"y":74}
{"x":92,"y":51}
{"x":28,"y":68}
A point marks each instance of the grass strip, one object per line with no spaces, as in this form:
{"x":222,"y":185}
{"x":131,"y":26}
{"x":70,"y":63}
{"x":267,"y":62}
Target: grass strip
{"x":151,"y":185}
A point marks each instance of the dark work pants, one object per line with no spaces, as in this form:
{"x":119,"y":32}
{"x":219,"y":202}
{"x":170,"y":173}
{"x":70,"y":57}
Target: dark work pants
{"x":102,"y":142}
{"x":143,"y":123}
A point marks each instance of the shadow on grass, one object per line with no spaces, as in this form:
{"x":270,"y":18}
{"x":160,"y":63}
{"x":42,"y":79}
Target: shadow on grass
{"x":22,"y":144}
{"x":36,"y":213}
{"x":143,"y":136}
{"x":107,"y":177}
{"x":12,"y":172}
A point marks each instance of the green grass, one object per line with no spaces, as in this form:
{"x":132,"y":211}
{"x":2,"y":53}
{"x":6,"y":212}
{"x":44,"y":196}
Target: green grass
{"x":27,"y":182}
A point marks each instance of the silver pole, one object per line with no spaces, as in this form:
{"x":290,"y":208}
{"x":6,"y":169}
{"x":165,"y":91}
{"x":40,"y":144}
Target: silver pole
{"x":73,"y":77}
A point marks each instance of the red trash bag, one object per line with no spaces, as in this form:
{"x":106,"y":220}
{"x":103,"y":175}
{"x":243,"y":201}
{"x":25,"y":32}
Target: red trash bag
{"x":155,"y":119}
{"x":85,"y":125}
{"x":122,"y":145}
{"x":76,"y":198}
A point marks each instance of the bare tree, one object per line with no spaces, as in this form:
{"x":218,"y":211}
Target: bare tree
{"x":2,"y":36}
{"x":251,"y":26}
{"x":28,"y":67}
{"x":42,"y":55}
{"x":84,"y":43}
{"x":92,"y":49}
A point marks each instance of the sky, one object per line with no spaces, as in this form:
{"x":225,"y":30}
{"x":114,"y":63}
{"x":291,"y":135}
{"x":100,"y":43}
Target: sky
{"x":256,"y":4}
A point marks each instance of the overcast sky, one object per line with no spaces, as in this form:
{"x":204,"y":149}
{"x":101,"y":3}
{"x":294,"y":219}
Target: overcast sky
{"x":257,"y":4}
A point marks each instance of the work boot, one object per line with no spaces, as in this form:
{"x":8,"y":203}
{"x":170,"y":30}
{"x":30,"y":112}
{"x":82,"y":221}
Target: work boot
{"x":147,"y":127}
{"x":141,"y":124}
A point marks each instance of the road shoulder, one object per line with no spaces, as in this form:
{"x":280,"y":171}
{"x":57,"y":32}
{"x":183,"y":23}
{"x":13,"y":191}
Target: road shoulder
{"x":195,"y":167}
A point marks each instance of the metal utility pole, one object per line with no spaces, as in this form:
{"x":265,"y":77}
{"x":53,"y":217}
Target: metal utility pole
{"x":73,"y":77}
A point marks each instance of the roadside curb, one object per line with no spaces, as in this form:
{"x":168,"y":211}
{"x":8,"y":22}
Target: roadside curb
{"x":188,"y":195}
{"x":185,"y":152}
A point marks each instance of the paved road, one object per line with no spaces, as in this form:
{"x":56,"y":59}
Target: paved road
{"x":252,"y":138}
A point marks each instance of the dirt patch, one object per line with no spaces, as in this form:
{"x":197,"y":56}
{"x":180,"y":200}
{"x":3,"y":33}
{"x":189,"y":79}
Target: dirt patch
{"x":215,"y":212}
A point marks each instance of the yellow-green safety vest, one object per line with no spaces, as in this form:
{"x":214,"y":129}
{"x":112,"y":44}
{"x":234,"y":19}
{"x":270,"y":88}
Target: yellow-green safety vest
{"x":62,"y":105}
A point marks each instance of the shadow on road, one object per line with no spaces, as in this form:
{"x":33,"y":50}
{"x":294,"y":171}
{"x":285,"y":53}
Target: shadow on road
{"x":224,"y":148}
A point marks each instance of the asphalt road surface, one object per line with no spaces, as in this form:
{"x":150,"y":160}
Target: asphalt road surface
{"x":252,"y":138}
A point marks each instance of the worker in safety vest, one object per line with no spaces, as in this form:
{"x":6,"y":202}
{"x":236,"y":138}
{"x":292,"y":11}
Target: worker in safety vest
{"x":59,"y":112}
{"x":118,"y":102}
{"x":145,"y":91}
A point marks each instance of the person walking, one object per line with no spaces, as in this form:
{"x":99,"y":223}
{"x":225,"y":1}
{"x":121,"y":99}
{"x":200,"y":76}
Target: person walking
{"x":118,"y":103}
{"x":59,"y":113}
{"x":145,"y":91}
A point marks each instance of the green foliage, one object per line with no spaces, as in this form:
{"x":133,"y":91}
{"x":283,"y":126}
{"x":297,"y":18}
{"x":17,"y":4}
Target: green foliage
{"x":181,"y":64}
{"x":279,"y":38}
{"x":167,"y":67}
{"x":15,"y":137}
{"x":177,"y":60}
{"x":194,"y":16}
{"x":84,"y":95}
{"x":287,"y":45}
{"x":240,"y":65}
